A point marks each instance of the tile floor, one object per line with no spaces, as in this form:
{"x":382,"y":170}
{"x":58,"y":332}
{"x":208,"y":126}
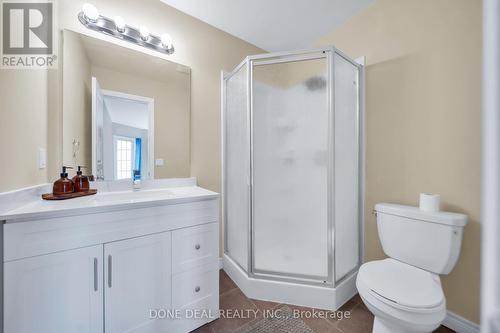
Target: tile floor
{"x":231,"y":297}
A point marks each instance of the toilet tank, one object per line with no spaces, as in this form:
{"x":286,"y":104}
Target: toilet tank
{"x":428,"y":240}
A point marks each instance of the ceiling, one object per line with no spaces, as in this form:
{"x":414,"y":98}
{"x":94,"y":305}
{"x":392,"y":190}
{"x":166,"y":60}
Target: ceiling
{"x":273,"y":25}
{"x":127,"y":112}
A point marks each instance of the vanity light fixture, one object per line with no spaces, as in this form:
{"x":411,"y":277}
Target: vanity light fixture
{"x":144,"y":32}
{"x":89,"y":17}
{"x":166,"y":41}
{"x":120,"y":24}
{"x":90,"y":13}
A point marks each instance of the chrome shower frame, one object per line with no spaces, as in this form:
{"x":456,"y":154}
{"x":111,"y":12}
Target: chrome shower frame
{"x":280,"y":57}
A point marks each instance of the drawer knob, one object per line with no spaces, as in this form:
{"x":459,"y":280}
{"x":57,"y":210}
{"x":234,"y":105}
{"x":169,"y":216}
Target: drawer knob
{"x":197,"y":289}
{"x":197,"y":246}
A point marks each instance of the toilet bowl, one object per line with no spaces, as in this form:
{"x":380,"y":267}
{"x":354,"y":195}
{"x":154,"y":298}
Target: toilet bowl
{"x":404,"y":291}
{"x":402,"y":298}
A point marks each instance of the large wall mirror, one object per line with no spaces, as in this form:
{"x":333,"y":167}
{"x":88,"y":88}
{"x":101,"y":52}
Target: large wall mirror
{"x":125,"y":112}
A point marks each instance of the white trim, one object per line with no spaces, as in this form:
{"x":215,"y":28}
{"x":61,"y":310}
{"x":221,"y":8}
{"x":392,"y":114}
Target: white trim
{"x":459,"y":324}
{"x":221,"y":263}
{"x":94,"y":96}
{"x":490,"y":169}
{"x":151,"y":130}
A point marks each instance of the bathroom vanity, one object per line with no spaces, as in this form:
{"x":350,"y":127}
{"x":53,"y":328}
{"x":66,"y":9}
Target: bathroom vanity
{"x":118,"y":261}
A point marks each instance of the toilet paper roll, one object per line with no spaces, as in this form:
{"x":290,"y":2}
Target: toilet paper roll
{"x":430,"y":202}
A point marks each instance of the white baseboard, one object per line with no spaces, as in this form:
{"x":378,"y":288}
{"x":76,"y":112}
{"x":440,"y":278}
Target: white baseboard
{"x":460,"y":324}
{"x":221,"y":263}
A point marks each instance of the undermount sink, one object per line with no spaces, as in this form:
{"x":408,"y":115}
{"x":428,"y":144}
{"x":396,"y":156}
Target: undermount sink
{"x":132,"y":196}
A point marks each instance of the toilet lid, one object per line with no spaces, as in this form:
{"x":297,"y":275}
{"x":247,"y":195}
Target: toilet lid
{"x":401,"y":283}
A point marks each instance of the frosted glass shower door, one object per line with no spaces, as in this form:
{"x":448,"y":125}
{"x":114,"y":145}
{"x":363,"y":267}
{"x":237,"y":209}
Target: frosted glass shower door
{"x":291,"y":159}
{"x":237,"y":167}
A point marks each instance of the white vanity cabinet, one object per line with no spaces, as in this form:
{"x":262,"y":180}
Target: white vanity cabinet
{"x":59,"y":292}
{"x":105,"y":271}
{"x":137,"y":278}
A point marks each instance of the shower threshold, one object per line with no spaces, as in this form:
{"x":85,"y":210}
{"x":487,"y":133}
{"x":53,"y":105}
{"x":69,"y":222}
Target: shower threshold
{"x":314,"y":296}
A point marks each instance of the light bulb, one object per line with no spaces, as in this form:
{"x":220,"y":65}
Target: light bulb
{"x":120,"y":23}
{"x":144,"y":31}
{"x":166,"y":41}
{"x":90,"y":12}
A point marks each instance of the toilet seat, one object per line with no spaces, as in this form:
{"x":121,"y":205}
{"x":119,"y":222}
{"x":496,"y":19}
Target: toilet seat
{"x":402,"y":296}
{"x":402,"y":285}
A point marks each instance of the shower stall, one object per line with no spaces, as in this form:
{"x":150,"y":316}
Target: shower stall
{"x":292,"y":176}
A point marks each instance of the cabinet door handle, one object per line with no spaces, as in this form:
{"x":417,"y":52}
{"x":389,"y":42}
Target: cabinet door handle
{"x":95,"y":274}
{"x":197,"y":246}
{"x":110,"y":261}
{"x":197,"y":289}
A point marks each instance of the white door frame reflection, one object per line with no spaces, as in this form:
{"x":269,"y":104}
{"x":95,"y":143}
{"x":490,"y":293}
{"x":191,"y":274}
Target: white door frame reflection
{"x":105,"y":171}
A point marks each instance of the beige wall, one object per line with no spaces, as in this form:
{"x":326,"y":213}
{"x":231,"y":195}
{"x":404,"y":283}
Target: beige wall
{"x":77,"y":113}
{"x":23,"y":127}
{"x":423,"y":117}
{"x":171,"y":115}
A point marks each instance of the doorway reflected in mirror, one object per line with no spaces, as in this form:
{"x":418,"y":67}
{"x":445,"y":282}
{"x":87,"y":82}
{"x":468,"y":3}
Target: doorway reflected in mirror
{"x":123,"y":132}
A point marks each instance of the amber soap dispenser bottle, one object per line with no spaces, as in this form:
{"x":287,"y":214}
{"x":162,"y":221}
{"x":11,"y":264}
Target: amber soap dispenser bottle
{"x":81,"y":182}
{"x":63,"y":185}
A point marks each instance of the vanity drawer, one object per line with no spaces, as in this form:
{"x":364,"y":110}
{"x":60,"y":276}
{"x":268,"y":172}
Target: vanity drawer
{"x":195,"y":294}
{"x":195,"y":246}
{"x":196,"y":289}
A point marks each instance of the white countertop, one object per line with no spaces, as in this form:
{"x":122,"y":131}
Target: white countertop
{"x":34,"y":207}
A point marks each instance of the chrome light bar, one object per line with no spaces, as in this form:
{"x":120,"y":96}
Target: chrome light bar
{"x":90,"y":18}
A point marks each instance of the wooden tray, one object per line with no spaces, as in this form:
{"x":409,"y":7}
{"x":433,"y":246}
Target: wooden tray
{"x":50,"y":196}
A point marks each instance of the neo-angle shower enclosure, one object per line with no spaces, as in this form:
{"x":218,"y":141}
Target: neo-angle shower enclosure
{"x":292,"y":176}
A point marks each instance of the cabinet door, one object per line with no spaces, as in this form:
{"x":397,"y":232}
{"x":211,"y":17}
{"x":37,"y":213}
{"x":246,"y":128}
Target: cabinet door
{"x":58,"y":293}
{"x":137,"y":275}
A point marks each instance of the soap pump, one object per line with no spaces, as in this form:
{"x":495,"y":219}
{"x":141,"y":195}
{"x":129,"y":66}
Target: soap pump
{"x":81,"y":182}
{"x":63,"y":185}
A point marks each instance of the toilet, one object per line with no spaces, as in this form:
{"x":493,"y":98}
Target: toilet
{"x":404,"y":291}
